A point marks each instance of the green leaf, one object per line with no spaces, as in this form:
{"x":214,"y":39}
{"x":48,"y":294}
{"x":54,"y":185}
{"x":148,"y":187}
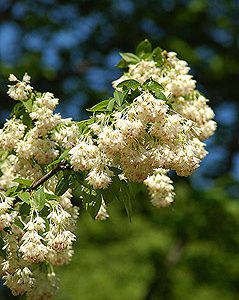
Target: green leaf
{"x":18,"y":223}
{"x":129,"y":84}
{"x":130,"y":57}
{"x":51,"y":196}
{"x":79,"y":176}
{"x":111,"y":104}
{"x":18,"y":110}
{"x":144,"y":47}
{"x":83,"y":125}
{"x":146,"y":56}
{"x":24,"y":209}
{"x":2,"y":249}
{"x":159,"y":95}
{"x":153,"y":86}
{"x":102,"y":106}
{"x":64,"y":155}
{"x":119,"y":97}
{"x":28,"y":105}
{"x":62,"y":186}
{"x":125,"y":197}
{"x":12,"y":191}
{"x":110,"y":194}
{"x":122,"y":64}
{"x":39,"y":199}
{"x":157,"y":56}
{"x":23,"y":181}
{"x":3,"y":154}
{"x":91,"y":199}
{"x":94,"y":206}
{"x":25,"y":197}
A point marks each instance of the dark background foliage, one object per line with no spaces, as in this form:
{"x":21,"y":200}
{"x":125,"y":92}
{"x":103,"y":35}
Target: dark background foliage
{"x":71,"y":48}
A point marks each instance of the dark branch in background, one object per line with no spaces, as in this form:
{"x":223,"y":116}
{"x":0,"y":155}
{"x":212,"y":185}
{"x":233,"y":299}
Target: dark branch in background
{"x":160,"y":286}
{"x":58,"y":168}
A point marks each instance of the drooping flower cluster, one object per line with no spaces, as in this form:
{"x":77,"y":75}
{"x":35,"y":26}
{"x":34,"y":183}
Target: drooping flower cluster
{"x":7,"y":217}
{"x":45,"y":240}
{"x":160,"y":188}
{"x":156,"y":122}
{"x":145,"y":137}
{"x":34,"y":238}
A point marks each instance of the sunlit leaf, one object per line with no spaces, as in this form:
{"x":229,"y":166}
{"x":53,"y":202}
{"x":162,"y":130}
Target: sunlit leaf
{"x":111,"y":104}
{"x":130,"y":57}
{"x":23,"y":181}
{"x":28,"y":105}
{"x":143,"y":47}
{"x":157,"y":56}
{"x":102,"y":106}
{"x":129,"y":84}
{"x":25,"y":197}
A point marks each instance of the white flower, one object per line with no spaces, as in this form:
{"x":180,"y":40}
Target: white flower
{"x":12,"y":77}
{"x":12,"y":132}
{"x":102,"y":213}
{"x":32,"y":248}
{"x":61,"y":240}
{"x":47,"y":100}
{"x":148,"y":109}
{"x":26,"y":78}
{"x":111,"y":141}
{"x":19,"y":282}
{"x":21,"y":90}
{"x":83,"y":155}
{"x":5,"y":202}
{"x":59,"y":217}
{"x":160,"y":188}
{"x":57,"y":258}
{"x":5,"y":220}
{"x":66,"y":136}
{"x":99,"y":178}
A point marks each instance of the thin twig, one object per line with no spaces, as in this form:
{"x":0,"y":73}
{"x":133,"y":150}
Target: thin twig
{"x":59,"y":167}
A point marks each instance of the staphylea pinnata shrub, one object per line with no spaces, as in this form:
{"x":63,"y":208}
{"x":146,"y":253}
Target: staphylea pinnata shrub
{"x":155,"y":121}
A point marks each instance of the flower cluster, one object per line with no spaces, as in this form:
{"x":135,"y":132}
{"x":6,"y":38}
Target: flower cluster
{"x":156,"y":122}
{"x":39,"y":237}
{"x":7,"y":217}
{"x":21,"y":90}
{"x":179,"y":86}
{"x":40,"y":240}
{"x":36,"y":142}
{"x":160,"y":188}
{"x":147,"y":136}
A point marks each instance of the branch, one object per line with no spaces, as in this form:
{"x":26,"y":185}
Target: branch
{"x":59,"y":167}
{"x":160,"y":284}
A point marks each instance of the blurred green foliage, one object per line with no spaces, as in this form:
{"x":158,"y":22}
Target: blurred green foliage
{"x":193,"y":247}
